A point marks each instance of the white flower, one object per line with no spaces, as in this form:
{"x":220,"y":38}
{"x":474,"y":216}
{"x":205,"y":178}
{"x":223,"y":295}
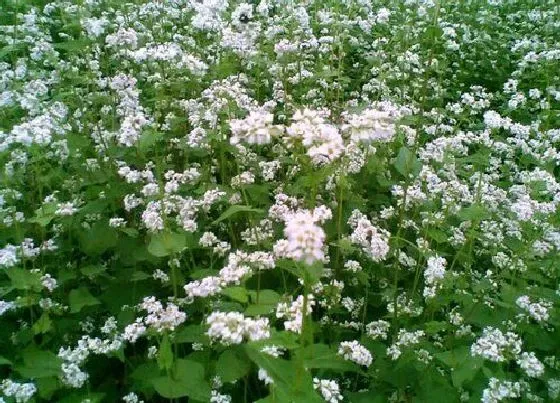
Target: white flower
{"x":499,"y":390}
{"x":329,"y":389}
{"x":354,"y":351}
{"x":493,"y":345}
{"x":304,"y":237}
{"x":531,"y":365}
{"x":233,"y":327}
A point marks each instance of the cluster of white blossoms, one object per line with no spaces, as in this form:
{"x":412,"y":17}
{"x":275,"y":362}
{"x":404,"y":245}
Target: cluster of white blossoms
{"x":72,"y":375}
{"x":374,"y":241}
{"x":532,"y":366}
{"x":322,"y":140}
{"x":21,"y":392}
{"x":370,"y":125}
{"x":330,"y":390}
{"x":304,"y":238}
{"x":404,"y":339}
{"x":496,"y":346}
{"x":539,"y":311}
{"x":233,"y":327}
{"x":169,"y":52}
{"x":217,"y":397}
{"x":256,"y":128}
{"x":11,"y":255}
{"x":239,"y":265}
{"x":129,"y":109}
{"x":354,"y":351}
{"x":158,"y":318}
{"x":293,"y":312}
{"x":499,"y":390}
{"x":378,"y":329}
{"x":433,"y":274}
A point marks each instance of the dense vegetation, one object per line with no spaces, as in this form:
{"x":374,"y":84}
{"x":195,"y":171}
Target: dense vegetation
{"x":280,"y":201}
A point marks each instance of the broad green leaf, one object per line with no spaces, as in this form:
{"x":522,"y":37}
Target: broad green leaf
{"x":474,"y":212}
{"x":318,"y":356}
{"x":291,"y":382}
{"x":93,"y":271}
{"x":165,"y":354}
{"x":43,"y":325}
{"x":406,"y":162}
{"x":191,"y":334}
{"x":236,"y":209}
{"x":39,"y":364}
{"x":5,"y":361}
{"x":166,"y":243}
{"x":79,"y":298}
{"x":22,"y":279}
{"x":232,"y":365}
{"x":237,"y":294}
{"x":186,"y":379}
{"x":98,"y":239}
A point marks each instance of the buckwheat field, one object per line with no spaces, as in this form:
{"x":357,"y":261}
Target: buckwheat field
{"x":284,"y":201}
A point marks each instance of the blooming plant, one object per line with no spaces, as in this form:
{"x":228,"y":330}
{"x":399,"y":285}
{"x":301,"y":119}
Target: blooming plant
{"x":279,"y":201}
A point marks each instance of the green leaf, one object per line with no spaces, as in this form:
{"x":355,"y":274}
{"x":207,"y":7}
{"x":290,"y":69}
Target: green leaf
{"x":237,"y":294}
{"x":462,"y":363}
{"x":474,"y":212}
{"x":191,"y":334}
{"x":79,"y":298}
{"x":98,"y":239}
{"x":166,"y":243}
{"x":291,"y":383}
{"x":236,"y":209}
{"x":165,"y":354}
{"x":186,"y":379}
{"x":5,"y":361}
{"x":318,"y":356}
{"x":265,"y":304}
{"x":93,"y":271}
{"x":43,"y":325}
{"x":44,"y":215}
{"x":438,"y":235}
{"x":39,"y":364}
{"x":232,"y":365}
{"x":22,"y":279}
{"x":406,"y":162}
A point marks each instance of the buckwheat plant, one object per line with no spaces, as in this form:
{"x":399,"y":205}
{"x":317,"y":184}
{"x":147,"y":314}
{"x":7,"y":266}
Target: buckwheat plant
{"x":279,"y":201}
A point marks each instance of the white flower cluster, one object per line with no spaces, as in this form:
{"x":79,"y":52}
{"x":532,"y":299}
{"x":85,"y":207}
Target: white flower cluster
{"x":539,"y":311}
{"x":169,"y":52}
{"x":496,"y":346}
{"x":158,"y":318}
{"x":129,"y":109}
{"x":329,"y":390}
{"x":21,"y":392}
{"x":233,"y":327}
{"x":304,"y":238}
{"x":322,"y":140}
{"x":240,"y":264}
{"x":6,"y":306}
{"x":370,"y":125}
{"x":293,"y":312}
{"x":132,"y":398}
{"x":498,"y":390}
{"x":72,"y":375}
{"x":531,"y":365}
{"x":404,"y":339}
{"x":217,"y":397}
{"x":354,"y":351}
{"x":256,"y":128}
{"x":434,"y":273}
{"x":378,"y":329}
{"x":373,"y":241}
